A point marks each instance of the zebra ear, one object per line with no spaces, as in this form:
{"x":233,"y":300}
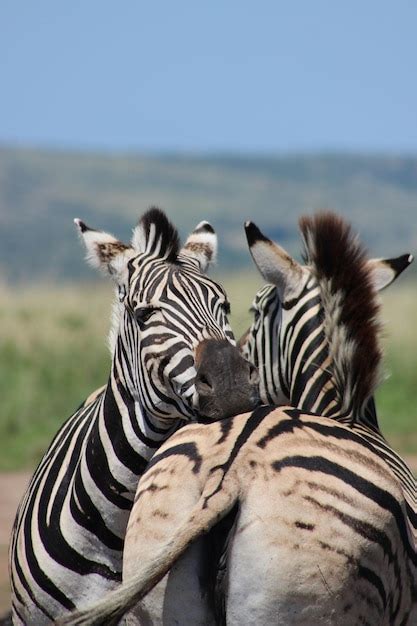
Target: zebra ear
{"x":201,"y":245}
{"x":105,"y":251}
{"x":156,"y":236}
{"x":386,"y":271}
{"x":273,"y":262}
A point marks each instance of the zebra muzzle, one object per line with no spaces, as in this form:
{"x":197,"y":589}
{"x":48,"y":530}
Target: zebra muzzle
{"x":226,"y":383}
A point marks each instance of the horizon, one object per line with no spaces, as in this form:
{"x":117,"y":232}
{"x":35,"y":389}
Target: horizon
{"x":119,"y":151}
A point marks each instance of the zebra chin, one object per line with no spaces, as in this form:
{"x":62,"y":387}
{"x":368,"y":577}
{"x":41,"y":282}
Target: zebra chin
{"x":226,"y":383}
{"x":213,"y":413}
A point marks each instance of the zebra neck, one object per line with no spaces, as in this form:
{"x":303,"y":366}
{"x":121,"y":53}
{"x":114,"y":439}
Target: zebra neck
{"x":328,"y":404}
{"x":317,"y":392}
{"x":130,"y":434}
{"x":367,"y":417}
{"x":314,"y":390}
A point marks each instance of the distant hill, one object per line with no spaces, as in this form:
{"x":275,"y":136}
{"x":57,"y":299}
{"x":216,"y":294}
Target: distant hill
{"x":41,"y":191}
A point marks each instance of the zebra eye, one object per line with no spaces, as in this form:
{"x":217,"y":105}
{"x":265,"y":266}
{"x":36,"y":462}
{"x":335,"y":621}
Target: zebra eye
{"x":143,"y":314}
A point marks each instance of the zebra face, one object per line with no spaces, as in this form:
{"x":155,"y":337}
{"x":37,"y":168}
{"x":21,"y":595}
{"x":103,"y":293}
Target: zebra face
{"x":295,"y":318}
{"x":185,"y":343}
{"x":169,"y":320}
{"x":269,"y":341}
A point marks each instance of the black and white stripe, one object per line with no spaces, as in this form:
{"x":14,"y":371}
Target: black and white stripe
{"x":303,"y":352}
{"x":320,"y":533}
{"x":69,"y":530}
{"x":322,"y":526}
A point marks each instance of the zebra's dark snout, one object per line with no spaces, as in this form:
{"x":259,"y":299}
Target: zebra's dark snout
{"x":226,"y":383}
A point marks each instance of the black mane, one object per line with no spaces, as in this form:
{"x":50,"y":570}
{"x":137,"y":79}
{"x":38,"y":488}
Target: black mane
{"x":339,"y":262}
{"x":166,"y":235}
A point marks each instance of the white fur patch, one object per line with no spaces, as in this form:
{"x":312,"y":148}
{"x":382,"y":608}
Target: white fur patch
{"x":139,"y":239}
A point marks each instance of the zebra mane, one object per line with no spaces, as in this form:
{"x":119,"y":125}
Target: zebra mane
{"x":350,"y":303}
{"x":156,"y":234}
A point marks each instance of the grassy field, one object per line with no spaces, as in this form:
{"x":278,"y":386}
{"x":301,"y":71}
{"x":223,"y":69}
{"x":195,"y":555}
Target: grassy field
{"x":397,"y":396}
{"x":53,"y":353}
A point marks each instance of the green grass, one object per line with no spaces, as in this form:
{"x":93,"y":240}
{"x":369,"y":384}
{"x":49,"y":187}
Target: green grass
{"x":397,"y":396}
{"x":53,"y":354}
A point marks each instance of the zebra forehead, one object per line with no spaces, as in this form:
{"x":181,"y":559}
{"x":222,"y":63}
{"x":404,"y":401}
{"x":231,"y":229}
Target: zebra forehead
{"x":154,"y":278}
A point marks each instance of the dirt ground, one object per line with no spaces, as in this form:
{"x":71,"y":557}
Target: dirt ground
{"x":12,"y":487}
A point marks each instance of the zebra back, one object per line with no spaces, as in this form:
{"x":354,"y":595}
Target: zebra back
{"x":320,"y":534}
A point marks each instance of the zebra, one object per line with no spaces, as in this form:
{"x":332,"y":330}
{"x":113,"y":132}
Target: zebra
{"x":293,"y":337}
{"x":320,"y":534}
{"x":322,"y":531}
{"x":174,"y":358}
{"x":266,"y":345}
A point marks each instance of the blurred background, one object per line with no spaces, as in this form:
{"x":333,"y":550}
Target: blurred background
{"x":221,"y":111}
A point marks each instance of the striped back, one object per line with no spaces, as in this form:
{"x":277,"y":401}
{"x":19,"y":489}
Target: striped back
{"x":319,"y":529}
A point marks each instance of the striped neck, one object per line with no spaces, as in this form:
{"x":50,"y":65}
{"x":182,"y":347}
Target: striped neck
{"x":143,"y":431}
{"x":289,"y":344}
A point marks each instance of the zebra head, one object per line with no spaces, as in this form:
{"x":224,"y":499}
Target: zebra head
{"x":172,"y":346}
{"x":314,"y":336}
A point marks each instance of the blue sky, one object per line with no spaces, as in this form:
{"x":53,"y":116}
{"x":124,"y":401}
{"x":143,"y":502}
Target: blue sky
{"x":231,"y":76}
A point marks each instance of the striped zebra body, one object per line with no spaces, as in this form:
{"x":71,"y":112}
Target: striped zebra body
{"x":320,"y":533}
{"x":322,"y":528}
{"x":169,"y":318}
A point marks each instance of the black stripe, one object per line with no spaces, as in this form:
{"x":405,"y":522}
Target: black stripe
{"x":303,"y":380}
{"x":189,"y":450}
{"x":250,"y":426}
{"x":86,"y":515}
{"x":374,"y":580}
{"x":51,"y":535}
{"x":304,"y":308}
{"x":99,"y":470}
{"x":33,"y":562}
{"x":303,"y":334}
{"x":382,"y":497}
{"x":282,"y":427}
{"x":127,"y":456}
{"x":118,"y":437}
